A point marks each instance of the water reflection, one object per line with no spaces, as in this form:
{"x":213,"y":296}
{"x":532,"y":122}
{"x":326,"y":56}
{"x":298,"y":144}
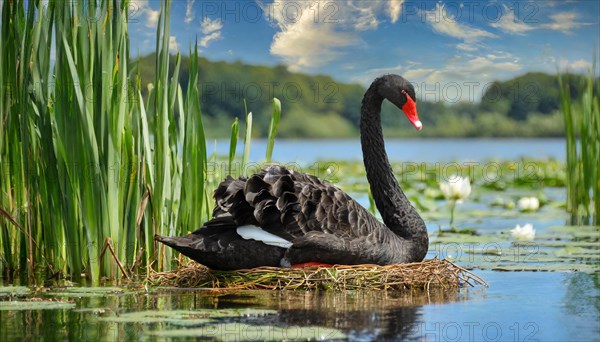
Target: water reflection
{"x":362,"y":315}
{"x":582,"y":298}
{"x":358,"y":315}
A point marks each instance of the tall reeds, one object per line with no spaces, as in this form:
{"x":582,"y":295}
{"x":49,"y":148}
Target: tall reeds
{"x":582,"y":125}
{"x":89,"y":171}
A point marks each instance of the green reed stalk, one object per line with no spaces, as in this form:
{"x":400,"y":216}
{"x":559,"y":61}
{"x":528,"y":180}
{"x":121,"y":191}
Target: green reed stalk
{"x":372,"y":206}
{"x":571,"y":145}
{"x":233,"y":144}
{"x":273,"y":128}
{"x":247,"y":141}
{"x":24,"y":62}
{"x":194,"y":172}
{"x":582,"y":130}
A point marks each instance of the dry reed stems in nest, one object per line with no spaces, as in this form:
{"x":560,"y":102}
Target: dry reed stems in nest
{"x":425,"y":275}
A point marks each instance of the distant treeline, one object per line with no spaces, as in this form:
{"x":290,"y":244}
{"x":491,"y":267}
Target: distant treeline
{"x":320,"y":107}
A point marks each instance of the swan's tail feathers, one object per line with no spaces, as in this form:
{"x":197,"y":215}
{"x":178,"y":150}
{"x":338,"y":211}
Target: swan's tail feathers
{"x":224,"y":249}
{"x":173,"y":242}
{"x":182,"y":244}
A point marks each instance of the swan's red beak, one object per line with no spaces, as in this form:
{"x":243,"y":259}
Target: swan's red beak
{"x":410,"y":109}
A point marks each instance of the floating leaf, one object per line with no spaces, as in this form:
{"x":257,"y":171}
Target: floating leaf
{"x":87,"y":292}
{"x":35,"y":305}
{"x":184,"y":317}
{"x":14,"y":291}
{"x":245,"y":332}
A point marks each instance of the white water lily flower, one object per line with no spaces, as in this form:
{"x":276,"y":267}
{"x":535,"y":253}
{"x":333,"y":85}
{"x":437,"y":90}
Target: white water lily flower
{"x":525,"y":233}
{"x":528,"y":204}
{"x":456,"y":188}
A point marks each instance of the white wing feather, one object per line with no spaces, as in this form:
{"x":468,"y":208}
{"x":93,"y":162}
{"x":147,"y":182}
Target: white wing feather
{"x":250,"y":232}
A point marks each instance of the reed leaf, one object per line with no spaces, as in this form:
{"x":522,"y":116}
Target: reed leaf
{"x":232,"y":145}
{"x":583,"y":150}
{"x":194,"y":156}
{"x":247,"y":141}
{"x":273,"y":128}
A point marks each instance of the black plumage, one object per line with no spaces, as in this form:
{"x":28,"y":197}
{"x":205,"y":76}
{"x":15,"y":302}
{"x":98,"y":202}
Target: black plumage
{"x":322,"y":222}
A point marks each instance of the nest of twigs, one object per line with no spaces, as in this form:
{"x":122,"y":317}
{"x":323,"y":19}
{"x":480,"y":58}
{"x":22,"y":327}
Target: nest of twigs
{"x":425,"y":275}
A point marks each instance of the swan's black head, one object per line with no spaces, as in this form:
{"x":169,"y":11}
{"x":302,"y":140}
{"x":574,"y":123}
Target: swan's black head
{"x":401,"y":93}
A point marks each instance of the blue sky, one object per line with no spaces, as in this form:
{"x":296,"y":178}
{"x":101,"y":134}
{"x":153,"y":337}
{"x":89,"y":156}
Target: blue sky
{"x":453,"y":48}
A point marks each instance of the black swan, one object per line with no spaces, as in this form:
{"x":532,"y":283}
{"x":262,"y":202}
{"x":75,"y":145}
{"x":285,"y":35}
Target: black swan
{"x":279,"y":217}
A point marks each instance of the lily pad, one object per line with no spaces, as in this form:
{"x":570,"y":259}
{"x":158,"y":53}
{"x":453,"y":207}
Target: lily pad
{"x":14,"y":291}
{"x":86,"y":292}
{"x":246,"y":332}
{"x":177,"y":317}
{"x":554,"y":267}
{"x":184,"y":317}
{"x":555,"y":248}
{"x":35,"y":305}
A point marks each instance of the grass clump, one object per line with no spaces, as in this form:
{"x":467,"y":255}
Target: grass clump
{"x":91,"y":170}
{"x":85,"y":162}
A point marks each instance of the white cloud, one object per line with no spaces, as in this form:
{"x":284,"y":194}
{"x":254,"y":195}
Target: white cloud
{"x":173,"y":44}
{"x":468,"y":46}
{"x":581,"y":64}
{"x":305,"y":45}
{"x":564,"y":22}
{"x":510,"y":24}
{"x":141,"y":8}
{"x":189,"y":12}
{"x":211,"y":25}
{"x":394,"y":7}
{"x":418,"y":73}
{"x":444,"y":24}
{"x":578,"y":65}
{"x":205,"y":40}
{"x":313,"y":34}
{"x":152,"y":19}
{"x":211,"y":30}
{"x":367,"y":15}
{"x":305,"y":42}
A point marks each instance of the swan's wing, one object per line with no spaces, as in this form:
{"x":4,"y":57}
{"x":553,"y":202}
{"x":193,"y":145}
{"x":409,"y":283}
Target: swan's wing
{"x":292,"y":204}
{"x":217,"y":245}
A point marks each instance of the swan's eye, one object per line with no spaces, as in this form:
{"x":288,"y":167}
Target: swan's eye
{"x":408,"y":97}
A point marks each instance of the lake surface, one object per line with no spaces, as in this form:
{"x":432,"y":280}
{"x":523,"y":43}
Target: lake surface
{"x":403,"y":150}
{"x":524,"y":306}
{"x":522,"y":303}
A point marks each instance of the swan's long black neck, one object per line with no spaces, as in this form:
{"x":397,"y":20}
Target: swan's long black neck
{"x":397,"y":212}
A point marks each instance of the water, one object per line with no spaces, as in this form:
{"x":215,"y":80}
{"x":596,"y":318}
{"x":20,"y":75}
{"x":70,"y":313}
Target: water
{"x":404,"y":150}
{"x":517,"y":306}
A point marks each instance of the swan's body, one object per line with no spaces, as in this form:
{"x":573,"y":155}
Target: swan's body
{"x":302,"y":219}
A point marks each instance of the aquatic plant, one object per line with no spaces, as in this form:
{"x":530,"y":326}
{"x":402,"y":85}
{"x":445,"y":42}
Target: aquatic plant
{"x":455,"y":190}
{"x":523,"y":233}
{"x":90,"y":170}
{"x":582,"y":129}
{"x":273,"y":128}
{"x":528,"y":204}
